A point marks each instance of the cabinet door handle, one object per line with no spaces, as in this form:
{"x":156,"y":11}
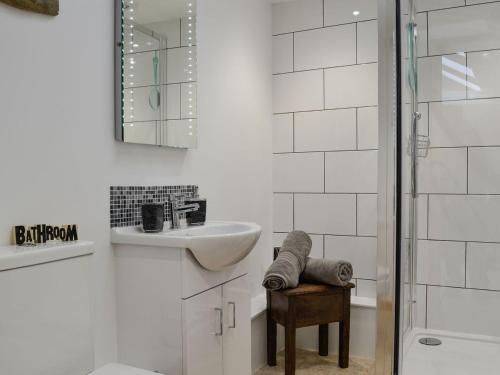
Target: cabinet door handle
{"x":233,"y":304}
{"x":221,"y":329}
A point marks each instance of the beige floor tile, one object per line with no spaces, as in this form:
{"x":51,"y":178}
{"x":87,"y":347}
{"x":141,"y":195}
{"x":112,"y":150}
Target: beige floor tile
{"x":310,"y":363}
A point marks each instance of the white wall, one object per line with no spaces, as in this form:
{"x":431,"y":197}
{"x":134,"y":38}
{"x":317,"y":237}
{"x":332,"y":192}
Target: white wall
{"x":57,"y":148}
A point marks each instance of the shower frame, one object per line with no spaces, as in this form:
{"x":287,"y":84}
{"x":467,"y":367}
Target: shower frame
{"x":389,"y":252}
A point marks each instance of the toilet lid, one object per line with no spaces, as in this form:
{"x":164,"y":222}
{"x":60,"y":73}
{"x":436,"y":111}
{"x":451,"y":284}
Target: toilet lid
{"x":117,"y":369}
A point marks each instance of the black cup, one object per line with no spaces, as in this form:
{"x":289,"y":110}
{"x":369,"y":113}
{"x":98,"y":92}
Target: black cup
{"x":152,"y":217}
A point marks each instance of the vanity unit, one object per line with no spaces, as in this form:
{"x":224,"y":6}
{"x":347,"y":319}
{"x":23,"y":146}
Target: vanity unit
{"x":183,"y":300}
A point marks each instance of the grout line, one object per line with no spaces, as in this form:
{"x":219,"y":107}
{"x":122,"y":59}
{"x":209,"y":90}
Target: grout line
{"x":463,"y":241}
{"x":465,"y":281}
{"x":319,"y":193}
{"x":426,"y":305}
{"x":356,"y":199}
{"x":339,"y":235}
{"x":429,"y":121}
{"x":293,"y":54}
{"x":323,"y":10}
{"x":467,"y":170}
{"x":180,"y":100}
{"x":462,"y":288}
{"x":323,"y":27}
{"x":293,"y":211}
{"x":293,"y":132}
{"x":324,"y":250}
{"x":376,"y":62}
{"x":466,"y":76}
{"x":449,"y":101}
{"x":325,"y":68}
{"x":374,"y":193}
{"x":324,"y":90}
{"x":458,"y":6}
{"x":457,"y":52}
{"x":357,"y":129}
{"x":324,"y":172}
{"x":328,"y":109}
{"x":329,"y":151}
{"x":427,"y":30}
{"x":428,"y":214}
{"x":356,"y":41}
{"x":370,"y":149}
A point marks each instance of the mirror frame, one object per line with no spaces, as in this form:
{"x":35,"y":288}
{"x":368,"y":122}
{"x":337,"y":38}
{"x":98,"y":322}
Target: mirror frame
{"x":119,"y":136}
{"x":119,"y":84}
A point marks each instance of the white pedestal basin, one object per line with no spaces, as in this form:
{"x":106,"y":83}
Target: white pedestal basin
{"x":215,"y":245}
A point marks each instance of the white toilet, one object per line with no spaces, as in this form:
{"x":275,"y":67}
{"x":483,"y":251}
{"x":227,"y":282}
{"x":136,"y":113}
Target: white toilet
{"x":45,"y":312}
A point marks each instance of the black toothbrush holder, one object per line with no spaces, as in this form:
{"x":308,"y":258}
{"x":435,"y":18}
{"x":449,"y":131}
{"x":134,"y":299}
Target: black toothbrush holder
{"x":153,"y":217}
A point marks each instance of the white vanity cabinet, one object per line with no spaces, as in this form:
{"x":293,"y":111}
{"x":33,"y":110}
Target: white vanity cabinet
{"x":216,"y":330}
{"x":177,"y":318}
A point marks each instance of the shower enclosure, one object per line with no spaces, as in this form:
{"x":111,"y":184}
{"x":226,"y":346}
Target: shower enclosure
{"x":438,"y":292}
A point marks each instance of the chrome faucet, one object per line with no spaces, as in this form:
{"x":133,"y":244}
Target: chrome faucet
{"x":177,"y":207}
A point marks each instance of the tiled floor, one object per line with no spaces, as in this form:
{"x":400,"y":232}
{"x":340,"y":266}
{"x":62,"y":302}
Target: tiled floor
{"x":310,"y":363}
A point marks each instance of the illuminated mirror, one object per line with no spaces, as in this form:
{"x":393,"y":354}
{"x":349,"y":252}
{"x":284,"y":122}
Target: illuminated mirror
{"x":156,"y":72}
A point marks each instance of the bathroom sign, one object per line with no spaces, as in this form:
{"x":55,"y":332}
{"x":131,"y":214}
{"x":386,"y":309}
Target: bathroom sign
{"x":41,"y":233}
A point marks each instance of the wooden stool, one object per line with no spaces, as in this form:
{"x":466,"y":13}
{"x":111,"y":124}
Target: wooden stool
{"x":304,"y":306}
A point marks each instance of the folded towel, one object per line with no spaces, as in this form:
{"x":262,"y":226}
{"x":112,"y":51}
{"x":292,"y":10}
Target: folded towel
{"x":291,"y":261}
{"x":327,"y":271}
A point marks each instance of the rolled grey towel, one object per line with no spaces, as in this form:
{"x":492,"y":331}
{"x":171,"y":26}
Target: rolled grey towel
{"x":327,"y":271}
{"x":286,"y":269}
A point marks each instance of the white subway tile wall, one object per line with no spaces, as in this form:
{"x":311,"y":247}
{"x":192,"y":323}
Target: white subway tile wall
{"x":297,"y":15}
{"x":360,"y":251}
{"x":299,"y":172}
{"x":330,"y":46}
{"x":283,"y":133}
{"x":461,"y":32}
{"x":484,"y":80}
{"x":452,"y":309}
{"x":351,"y":86}
{"x":283,"y":53}
{"x":326,"y":129}
{"x":367,"y":45}
{"x":351,"y":171}
{"x":301,"y":91}
{"x":341,"y":11}
{"x":283,"y":212}
{"x":326,"y":111}
{"x":424,"y":5}
{"x":458,"y":256}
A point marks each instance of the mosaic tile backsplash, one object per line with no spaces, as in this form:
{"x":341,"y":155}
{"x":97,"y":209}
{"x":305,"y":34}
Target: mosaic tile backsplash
{"x":126,"y":201}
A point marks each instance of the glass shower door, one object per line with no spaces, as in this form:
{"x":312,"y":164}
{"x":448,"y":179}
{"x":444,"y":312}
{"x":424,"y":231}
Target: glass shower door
{"x":415,"y":144}
{"x":410,"y":148}
{"x":439,"y":200}
{"x":449,"y":136}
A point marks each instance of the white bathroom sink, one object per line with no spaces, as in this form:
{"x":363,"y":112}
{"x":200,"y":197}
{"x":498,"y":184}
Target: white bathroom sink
{"x":215,"y":245}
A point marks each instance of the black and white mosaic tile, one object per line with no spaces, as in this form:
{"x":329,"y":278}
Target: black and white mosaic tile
{"x":126,"y":201}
